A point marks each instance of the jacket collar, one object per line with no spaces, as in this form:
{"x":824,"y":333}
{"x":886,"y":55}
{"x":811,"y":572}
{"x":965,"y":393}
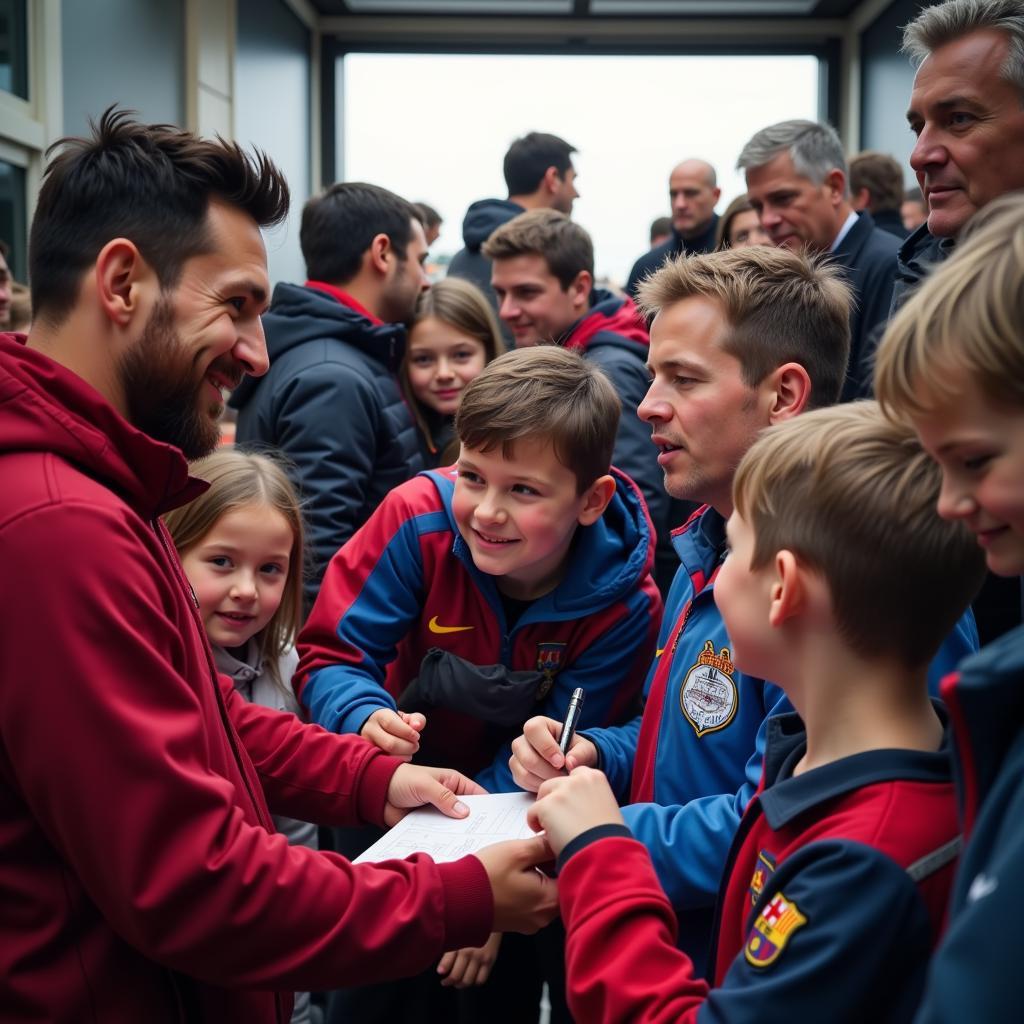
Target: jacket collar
{"x":786,"y":796}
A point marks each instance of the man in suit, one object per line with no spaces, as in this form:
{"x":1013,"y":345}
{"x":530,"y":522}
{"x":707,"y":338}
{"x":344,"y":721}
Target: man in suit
{"x":797,"y":182}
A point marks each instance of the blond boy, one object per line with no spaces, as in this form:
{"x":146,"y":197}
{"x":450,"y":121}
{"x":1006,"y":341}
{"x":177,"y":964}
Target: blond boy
{"x":836,"y":883}
{"x":953,"y":363}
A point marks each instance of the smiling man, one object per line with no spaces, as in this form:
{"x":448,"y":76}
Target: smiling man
{"x":967,"y":111}
{"x":139,"y":876}
{"x":797,"y":182}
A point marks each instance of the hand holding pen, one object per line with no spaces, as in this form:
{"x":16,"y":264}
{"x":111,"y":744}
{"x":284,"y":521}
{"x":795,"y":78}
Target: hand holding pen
{"x":538,"y":753}
{"x":572,"y":718}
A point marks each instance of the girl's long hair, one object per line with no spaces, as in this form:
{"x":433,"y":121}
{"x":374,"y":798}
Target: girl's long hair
{"x":238,"y":479}
{"x":461,"y":305}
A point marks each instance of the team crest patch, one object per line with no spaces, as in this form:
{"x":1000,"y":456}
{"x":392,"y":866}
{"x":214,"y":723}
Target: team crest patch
{"x":764,"y":870}
{"x":549,"y":662}
{"x":709,"y":696}
{"x":772,"y":929}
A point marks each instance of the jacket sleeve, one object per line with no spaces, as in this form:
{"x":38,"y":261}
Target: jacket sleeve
{"x":633,"y":453}
{"x":689,"y":843}
{"x":610,"y":670}
{"x":328,"y":422}
{"x":307,"y":772}
{"x":860,"y":933}
{"x":371,"y":595}
{"x":111,"y":749}
{"x":975,"y":973}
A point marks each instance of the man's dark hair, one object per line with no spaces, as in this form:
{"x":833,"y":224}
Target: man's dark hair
{"x":660,"y":226}
{"x":150,"y":183}
{"x":428,"y":215}
{"x":529,"y":157}
{"x":339,"y":224}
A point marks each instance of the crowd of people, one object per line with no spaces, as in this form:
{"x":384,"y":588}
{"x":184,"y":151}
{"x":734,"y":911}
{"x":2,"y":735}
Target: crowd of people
{"x":747,"y":505}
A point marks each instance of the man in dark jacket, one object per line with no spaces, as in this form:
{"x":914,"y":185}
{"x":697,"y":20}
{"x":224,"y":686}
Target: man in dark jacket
{"x":797,"y":182}
{"x":331,"y":401}
{"x":543,"y":275}
{"x":876,"y":185}
{"x":692,"y":191}
{"x":539,"y":175}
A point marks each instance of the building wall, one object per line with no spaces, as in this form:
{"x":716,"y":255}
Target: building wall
{"x":886,"y":80}
{"x":273,"y":112}
{"x":123,"y":51}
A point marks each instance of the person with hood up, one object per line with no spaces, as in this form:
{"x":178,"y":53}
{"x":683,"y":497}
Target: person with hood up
{"x":539,"y":175}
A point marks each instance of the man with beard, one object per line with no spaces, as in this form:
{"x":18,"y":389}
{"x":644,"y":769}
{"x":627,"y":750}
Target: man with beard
{"x":331,"y":401}
{"x":139,"y":876}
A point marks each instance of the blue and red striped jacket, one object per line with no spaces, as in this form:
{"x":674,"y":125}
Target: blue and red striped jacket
{"x":406,"y":582}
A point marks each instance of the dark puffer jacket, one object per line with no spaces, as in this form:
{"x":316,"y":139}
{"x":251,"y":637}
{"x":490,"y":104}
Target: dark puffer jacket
{"x":331,"y":403}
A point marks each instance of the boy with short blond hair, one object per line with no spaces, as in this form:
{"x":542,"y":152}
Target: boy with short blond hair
{"x":952,"y":363}
{"x":835,"y":887}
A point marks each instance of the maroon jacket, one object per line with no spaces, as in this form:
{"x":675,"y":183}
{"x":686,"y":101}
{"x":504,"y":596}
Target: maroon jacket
{"x":139,"y":879}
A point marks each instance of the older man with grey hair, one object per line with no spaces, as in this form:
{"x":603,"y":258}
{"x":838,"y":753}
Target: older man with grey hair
{"x":967,"y":111}
{"x":797,"y":182}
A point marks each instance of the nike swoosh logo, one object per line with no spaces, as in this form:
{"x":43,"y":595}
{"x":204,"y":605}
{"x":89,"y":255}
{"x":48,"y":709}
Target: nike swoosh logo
{"x":435,"y":628}
{"x":982,"y":886}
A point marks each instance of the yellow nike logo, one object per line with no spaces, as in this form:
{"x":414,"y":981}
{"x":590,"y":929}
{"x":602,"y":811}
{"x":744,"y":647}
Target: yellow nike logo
{"x":435,"y":628}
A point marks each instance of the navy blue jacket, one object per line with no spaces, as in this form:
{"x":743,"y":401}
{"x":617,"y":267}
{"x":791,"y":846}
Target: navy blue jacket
{"x":673,"y":246}
{"x":868,"y":255}
{"x":482,"y":219}
{"x":832,"y":897}
{"x":331,"y":403}
{"x":975,"y":973}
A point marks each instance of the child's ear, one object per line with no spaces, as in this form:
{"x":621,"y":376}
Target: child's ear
{"x":788,"y":590}
{"x":596,"y":499}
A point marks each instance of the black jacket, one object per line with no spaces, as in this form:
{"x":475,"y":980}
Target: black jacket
{"x":868,"y":256}
{"x":676,"y":244}
{"x":915,"y":260}
{"x":481,"y":220}
{"x":331,"y":403}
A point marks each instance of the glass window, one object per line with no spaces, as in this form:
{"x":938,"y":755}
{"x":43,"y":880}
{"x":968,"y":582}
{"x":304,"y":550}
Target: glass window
{"x":14,"y":47}
{"x":13,"y":227}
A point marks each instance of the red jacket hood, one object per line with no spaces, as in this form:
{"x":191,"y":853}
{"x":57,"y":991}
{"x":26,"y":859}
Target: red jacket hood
{"x":610,"y":314}
{"x":46,"y":407}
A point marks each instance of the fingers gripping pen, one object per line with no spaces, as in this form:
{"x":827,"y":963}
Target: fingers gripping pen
{"x":572,"y":718}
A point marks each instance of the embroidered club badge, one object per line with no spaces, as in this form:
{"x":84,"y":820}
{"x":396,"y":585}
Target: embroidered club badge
{"x":549,"y":661}
{"x":772,"y":929}
{"x":709,"y":696}
{"x":764,"y":870}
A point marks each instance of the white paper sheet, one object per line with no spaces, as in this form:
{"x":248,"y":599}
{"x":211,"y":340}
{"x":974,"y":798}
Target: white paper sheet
{"x":492,"y":819}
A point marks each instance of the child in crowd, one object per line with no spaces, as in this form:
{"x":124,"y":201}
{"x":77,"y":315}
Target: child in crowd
{"x":240,"y":544}
{"x":453,"y":337}
{"x":478,"y":595}
{"x":836,"y":884}
{"x":953,"y":363}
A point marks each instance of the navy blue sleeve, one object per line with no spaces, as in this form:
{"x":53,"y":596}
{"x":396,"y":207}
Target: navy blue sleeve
{"x":975,"y":975}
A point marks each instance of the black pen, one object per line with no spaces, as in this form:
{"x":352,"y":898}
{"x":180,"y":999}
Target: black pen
{"x":572,"y":718}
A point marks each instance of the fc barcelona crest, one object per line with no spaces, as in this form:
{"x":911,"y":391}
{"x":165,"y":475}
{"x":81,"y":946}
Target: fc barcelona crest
{"x":549,"y":662}
{"x":772,"y":930}
{"x":764,"y":870}
{"x":709,"y":697}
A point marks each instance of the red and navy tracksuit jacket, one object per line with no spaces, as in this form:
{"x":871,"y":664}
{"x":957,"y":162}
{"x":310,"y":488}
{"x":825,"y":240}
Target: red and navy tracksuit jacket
{"x":837,"y":883}
{"x":406,"y":582}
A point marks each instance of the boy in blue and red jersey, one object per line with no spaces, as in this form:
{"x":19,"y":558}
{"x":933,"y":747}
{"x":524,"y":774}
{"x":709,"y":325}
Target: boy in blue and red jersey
{"x":742,"y":340}
{"x":528,"y":565}
{"x":529,"y":555}
{"x":952,"y":362}
{"x":836,"y":884}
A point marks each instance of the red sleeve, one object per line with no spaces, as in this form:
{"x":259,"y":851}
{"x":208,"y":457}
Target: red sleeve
{"x":622,"y":963}
{"x":114,"y":762}
{"x":307,"y":772}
